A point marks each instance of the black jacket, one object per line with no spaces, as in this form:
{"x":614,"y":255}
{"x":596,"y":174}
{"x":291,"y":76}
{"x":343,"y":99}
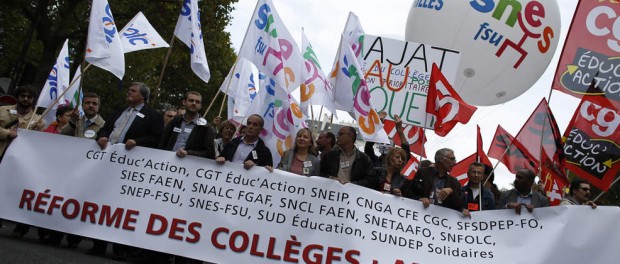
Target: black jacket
{"x":423,"y":184}
{"x":361,"y":172}
{"x":263,"y":153}
{"x":200,"y":142}
{"x":146,"y":130}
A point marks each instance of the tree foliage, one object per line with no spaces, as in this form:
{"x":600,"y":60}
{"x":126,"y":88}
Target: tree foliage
{"x":54,"y":21}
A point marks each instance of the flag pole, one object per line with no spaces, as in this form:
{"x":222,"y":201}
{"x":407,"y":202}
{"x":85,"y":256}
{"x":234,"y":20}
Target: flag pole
{"x":222,"y":105}
{"x":603,"y":192}
{"x":60,"y":96}
{"x":163,"y":70}
{"x":229,"y":77}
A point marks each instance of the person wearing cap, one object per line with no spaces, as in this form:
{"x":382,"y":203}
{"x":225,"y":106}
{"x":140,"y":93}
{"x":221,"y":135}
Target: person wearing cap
{"x":136,"y":125}
{"x":88,"y":125}
{"x":190,"y":134}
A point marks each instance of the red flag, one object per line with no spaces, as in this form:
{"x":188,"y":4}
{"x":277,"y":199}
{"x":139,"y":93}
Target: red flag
{"x":415,"y":136}
{"x":589,"y":38}
{"x":510,"y":152}
{"x":459,"y":171}
{"x":410,"y":168}
{"x":554,"y":185}
{"x":592,"y":137}
{"x":541,"y":137}
{"x":445,"y":104}
{"x":481,"y":156}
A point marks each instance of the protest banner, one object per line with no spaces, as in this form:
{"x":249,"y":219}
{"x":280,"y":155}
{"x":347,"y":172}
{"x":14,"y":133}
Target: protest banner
{"x":398,"y":75}
{"x":225,"y":214}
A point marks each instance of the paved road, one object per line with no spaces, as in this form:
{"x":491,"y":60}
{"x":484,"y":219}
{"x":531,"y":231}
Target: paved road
{"x":30,"y":250}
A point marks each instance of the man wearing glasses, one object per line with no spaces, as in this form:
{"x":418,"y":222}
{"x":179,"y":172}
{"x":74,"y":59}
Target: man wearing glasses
{"x":347,"y":164}
{"x":578,"y":194}
{"x":434,"y":185}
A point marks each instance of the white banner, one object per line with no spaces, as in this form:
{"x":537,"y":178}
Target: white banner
{"x":226,"y":214}
{"x":398,"y":74}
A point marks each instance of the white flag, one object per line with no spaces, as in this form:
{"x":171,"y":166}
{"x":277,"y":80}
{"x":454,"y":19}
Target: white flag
{"x":138,"y":34}
{"x":103,"y":47}
{"x":188,"y":30}
{"x":351,"y":81}
{"x":240,"y":86}
{"x":353,"y":37}
{"x":315,"y":88}
{"x":57,"y":82}
{"x":269,"y":45}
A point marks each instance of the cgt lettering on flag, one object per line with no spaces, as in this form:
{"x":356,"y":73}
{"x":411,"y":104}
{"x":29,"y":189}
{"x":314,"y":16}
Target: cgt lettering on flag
{"x":134,"y":35}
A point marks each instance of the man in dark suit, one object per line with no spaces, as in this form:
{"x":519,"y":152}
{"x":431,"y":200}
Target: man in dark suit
{"x":136,"y":125}
{"x":522,"y":195}
{"x":248,"y":149}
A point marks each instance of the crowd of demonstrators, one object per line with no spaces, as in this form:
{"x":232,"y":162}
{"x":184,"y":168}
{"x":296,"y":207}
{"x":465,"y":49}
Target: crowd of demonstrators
{"x":331,"y":156}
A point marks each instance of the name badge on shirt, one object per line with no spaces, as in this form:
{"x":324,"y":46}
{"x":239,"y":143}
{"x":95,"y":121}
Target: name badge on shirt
{"x":344,"y":164}
{"x":176,"y":130}
{"x":89,"y":133}
{"x":141,"y":115}
{"x":307,"y":164}
{"x":13,"y":111}
{"x":254,"y":154}
{"x":306,"y":171}
{"x":188,"y":130}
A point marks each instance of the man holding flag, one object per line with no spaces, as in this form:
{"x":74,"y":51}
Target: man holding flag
{"x":476,"y":196}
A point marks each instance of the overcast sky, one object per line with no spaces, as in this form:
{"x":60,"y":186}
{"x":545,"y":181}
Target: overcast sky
{"x":323,"y":22}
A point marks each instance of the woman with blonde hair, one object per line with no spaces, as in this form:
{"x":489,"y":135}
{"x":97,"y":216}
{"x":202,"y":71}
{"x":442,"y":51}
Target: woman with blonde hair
{"x":390,"y":179}
{"x":301,"y":159}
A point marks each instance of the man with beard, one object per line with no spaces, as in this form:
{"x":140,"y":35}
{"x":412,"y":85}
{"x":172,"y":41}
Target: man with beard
{"x":522,"y":195}
{"x":88,"y":125}
{"x":434,"y":185}
{"x":17,"y":116}
{"x":189,"y":134}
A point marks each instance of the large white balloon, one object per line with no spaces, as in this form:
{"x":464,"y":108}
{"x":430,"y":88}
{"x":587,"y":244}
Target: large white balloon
{"x":505,"y":45}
